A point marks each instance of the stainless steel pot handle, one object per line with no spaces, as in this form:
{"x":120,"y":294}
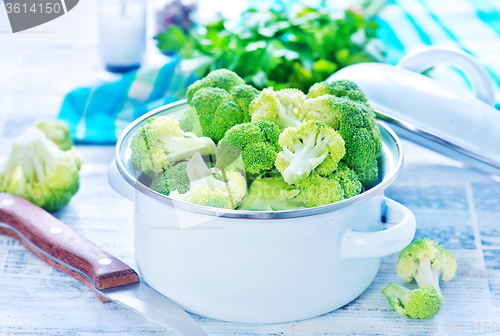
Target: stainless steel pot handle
{"x":378,"y":244}
{"x":118,"y":183}
{"x":426,"y":58}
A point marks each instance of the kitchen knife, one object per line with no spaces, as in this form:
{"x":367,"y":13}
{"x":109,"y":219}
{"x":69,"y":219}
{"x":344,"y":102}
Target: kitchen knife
{"x":61,"y":247}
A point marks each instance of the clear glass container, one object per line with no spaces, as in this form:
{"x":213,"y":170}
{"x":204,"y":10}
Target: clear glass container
{"x":122,"y":34}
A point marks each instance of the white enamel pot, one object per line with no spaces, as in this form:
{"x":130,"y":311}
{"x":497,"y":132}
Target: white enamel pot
{"x":263,"y":267}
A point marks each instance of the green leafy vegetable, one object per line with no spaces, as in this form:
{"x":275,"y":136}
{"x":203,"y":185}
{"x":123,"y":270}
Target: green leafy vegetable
{"x":280,"y":47}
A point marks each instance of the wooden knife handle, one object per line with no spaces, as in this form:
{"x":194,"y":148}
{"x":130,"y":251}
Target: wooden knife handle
{"x":49,"y":234}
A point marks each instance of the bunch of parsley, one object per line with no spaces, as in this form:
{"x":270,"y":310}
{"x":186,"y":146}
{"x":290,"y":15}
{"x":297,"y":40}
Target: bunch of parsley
{"x":277,"y":47}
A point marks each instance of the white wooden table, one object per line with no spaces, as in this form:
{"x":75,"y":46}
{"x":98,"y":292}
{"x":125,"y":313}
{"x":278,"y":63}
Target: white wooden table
{"x":457,"y":207}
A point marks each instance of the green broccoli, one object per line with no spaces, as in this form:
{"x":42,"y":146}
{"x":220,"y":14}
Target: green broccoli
{"x":217,"y":111}
{"x":173,"y":178}
{"x":220,"y":101}
{"x":205,"y":189}
{"x":255,"y":142}
{"x":56,"y":131}
{"x":422,"y":303}
{"x":40,"y":172}
{"x":160,"y":142}
{"x":356,"y":124}
{"x":221,"y":78}
{"x":283,"y":107}
{"x":305,"y":148}
{"x":243,"y":95}
{"x":340,"y":88}
{"x":425,"y":260}
{"x":272,"y":194}
{"x":317,"y":190}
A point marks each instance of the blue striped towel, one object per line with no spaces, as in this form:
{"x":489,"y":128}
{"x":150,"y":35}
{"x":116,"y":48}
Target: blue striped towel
{"x":99,"y":114}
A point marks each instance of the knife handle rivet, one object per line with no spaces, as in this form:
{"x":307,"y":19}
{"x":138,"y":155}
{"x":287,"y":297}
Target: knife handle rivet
{"x":8,"y":201}
{"x":55,"y":230}
{"x":105,"y":261}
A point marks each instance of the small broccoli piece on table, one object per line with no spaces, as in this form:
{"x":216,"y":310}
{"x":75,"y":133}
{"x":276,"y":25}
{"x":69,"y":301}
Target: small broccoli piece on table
{"x":205,"y":189}
{"x":272,"y":194}
{"x":41,"y":172}
{"x":217,"y":111}
{"x":243,"y":95}
{"x":340,"y":88}
{"x":222,"y":78}
{"x":159,"y":142}
{"x":56,"y":131}
{"x":425,"y":260}
{"x":256,"y":143}
{"x":421,"y":303}
{"x":356,"y":124}
{"x":305,"y":148}
{"x":283,"y":107}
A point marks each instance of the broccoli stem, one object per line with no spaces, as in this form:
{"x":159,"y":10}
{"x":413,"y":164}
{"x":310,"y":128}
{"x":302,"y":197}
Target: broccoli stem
{"x":181,"y":148}
{"x":307,"y":155}
{"x":286,"y":117}
{"x":398,"y":297}
{"x":426,"y":275}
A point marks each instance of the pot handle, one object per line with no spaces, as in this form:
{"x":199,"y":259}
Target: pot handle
{"x":426,"y":58}
{"x":378,"y":244}
{"x":118,"y":183}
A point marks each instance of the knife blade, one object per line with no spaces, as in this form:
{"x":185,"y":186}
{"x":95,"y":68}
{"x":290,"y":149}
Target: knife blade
{"x":111,"y":279}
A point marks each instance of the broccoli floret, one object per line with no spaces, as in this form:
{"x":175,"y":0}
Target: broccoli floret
{"x":340,"y":88}
{"x":425,"y":260}
{"x":173,"y":178}
{"x":356,"y":124}
{"x":305,"y":148}
{"x":221,"y":78}
{"x":56,"y":131}
{"x":205,"y":189}
{"x":256,"y":143}
{"x":243,"y":95}
{"x":41,"y":172}
{"x":323,"y":109}
{"x":272,"y":194}
{"x":217,"y":111}
{"x":422,"y":303}
{"x":160,"y":142}
{"x":283,"y":107}
{"x":319,"y":190}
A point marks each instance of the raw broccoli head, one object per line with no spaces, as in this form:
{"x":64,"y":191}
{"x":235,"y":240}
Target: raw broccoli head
{"x":160,"y":142}
{"x":422,"y":303}
{"x":56,"y":131}
{"x":307,"y":147}
{"x":217,"y":111}
{"x":283,"y":107}
{"x":221,"y":78}
{"x":40,"y":172}
{"x":340,"y":88}
{"x":173,"y":178}
{"x":319,"y":190}
{"x":356,"y":124}
{"x":425,"y":260}
{"x":323,"y":108}
{"x":255,"y":142}
{"x":243,"y":95}
{"x":205,"y":189}
{"x":272,"y":193}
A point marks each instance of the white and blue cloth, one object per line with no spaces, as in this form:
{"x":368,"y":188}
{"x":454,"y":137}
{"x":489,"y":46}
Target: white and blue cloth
{"x":99,"y":114}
